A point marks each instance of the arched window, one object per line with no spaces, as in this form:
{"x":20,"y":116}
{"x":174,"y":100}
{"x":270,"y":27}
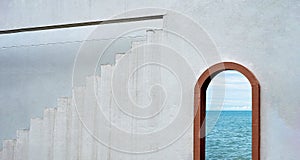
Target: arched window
{"x":200,"y":107}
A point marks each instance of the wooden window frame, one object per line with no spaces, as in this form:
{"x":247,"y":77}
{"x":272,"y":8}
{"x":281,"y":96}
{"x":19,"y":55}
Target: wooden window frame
{"x":200,"y":107}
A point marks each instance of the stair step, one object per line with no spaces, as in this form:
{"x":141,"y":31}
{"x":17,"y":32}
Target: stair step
{"x":59,"y":133}
{"x":21,"y":150}
{"x":48,"y":132}
{"x":118,"y":57}
{"x":88,"y":115}
{"x":105,"y":87}
{"x":154,"y":35}
{"x":8,"y":149}
{"x":35,"y":150}
{"x":77,"y":112}
{"x":74,"y":130}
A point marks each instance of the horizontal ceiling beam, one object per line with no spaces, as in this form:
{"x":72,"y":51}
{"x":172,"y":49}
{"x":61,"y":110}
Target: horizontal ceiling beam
{"x":81,"y":24}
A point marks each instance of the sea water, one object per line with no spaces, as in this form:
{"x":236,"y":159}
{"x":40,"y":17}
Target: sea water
{"x":228,"y":135}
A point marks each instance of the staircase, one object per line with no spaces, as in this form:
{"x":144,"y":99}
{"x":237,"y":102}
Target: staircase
{"x":60,"y":135}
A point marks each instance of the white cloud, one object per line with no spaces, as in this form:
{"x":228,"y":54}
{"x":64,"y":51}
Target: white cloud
{"x":231,"y":108}
{"x":230,"y":90}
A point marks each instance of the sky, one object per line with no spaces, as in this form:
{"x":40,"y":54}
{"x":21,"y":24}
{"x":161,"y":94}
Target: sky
{"x":229,"y":90}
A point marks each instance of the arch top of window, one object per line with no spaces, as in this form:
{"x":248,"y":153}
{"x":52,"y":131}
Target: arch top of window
{"x":212,"y":71}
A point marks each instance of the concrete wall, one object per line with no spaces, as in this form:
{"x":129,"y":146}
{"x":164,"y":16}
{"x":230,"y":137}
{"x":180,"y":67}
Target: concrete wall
{"x":262,"y":36}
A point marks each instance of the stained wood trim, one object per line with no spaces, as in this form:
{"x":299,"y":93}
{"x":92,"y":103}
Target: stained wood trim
{"x":200,"y":107}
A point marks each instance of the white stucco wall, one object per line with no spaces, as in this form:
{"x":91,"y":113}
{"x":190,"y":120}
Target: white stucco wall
{"x":262,"y":36}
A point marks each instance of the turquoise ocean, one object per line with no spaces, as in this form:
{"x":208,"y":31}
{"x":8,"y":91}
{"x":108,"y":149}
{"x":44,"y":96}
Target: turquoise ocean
{"x":230,"y":137}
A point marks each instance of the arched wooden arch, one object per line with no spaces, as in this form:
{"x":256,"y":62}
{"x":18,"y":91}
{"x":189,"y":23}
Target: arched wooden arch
{"x":200,"y":107}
